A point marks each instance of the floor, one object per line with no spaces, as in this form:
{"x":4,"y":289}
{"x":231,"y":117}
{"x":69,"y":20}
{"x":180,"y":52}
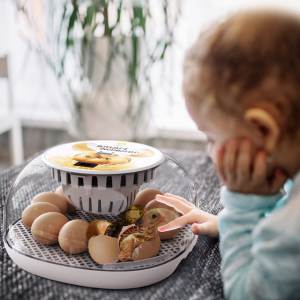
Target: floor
{"x":36,"y":139}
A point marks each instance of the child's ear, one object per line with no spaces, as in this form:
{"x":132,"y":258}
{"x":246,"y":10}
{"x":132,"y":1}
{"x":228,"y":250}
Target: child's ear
{"x":265,"y":125}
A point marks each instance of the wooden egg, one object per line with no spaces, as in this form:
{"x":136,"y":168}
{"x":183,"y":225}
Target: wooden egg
{"x":72,"y":236}
{"x":52,"y":198}
{"x":70,"y":207}
{"x":34,"y":210}
{"x":145,"y":196}
{"x":46,"y":227}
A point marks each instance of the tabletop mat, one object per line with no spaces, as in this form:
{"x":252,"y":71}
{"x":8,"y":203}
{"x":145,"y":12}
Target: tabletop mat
{"x":196,"y":277}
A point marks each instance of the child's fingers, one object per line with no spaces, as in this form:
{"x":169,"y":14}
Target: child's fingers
{"x":259,"y":174}
{"x":180,"y":199}
{"x":183,"y":221}
{"x":279,"y":179}
{"x":230,"y":160}
{"x":244,"y":161}
{"x":206,"y":229}
{"x":220,"y":164}
{"x":177,"y":204}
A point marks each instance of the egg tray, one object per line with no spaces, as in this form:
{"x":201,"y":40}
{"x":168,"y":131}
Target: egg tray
{"x":21,"y":239}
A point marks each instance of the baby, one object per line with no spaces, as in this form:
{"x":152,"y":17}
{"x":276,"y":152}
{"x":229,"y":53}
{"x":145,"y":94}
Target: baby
{"x":242,"y":89}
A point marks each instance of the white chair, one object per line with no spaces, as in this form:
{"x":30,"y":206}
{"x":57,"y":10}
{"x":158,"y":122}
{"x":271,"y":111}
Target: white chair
{"x":9,"y":121}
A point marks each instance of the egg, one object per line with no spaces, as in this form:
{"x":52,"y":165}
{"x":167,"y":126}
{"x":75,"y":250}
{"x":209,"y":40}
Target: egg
{"x":146,"y":250}
{"x":46,"y":227}
{"x":52,"y":198}
{"x":145,"y":196}
{"x":104,"y":249}
{"x":70,"y":207}
{"x":155,"y":204}
{"x":34,"y":210}
{"x":170,"y":215}
{"x":72,"y":236}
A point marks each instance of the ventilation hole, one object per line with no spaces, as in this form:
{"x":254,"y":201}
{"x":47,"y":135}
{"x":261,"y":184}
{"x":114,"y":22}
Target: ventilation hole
{"x":130,"y":199}
{"x":109,"y":182}
{"x":145,"y":176}
{"x":123,"y":180}
{"x":80,"y":181}
{"x":90,"y":204}
{"x":68,"y":178}
{"x":99,"y":206}
{"x":80,"y":203}
{"x":59,"y":176}
{"x":135,"y":179}
{"x":110,"y":206}
{"x":52,"y":173}
{"x":94,"y":181}
{"x":134,"y":194}
{"x":127,"y":202}
{"x":121,"y":205}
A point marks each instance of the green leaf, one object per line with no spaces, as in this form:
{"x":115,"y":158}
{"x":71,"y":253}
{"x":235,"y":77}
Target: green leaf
{"x":71,"y":24}
{"x":89,"y":16}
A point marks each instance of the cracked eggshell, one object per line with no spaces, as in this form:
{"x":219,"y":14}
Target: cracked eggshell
{"x":145,"y":196}
{"x":146,"y":250}
{"x":72,"y":236}
{"x":155,"y":204}
{"x":52,"y":198}
{"x":170,"y":215}
{"x":34,"y":210}
{"x":104,"y":249}
{"x":70,"y":207}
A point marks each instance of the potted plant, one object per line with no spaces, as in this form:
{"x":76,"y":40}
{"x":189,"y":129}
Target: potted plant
{"x":102,"y":52}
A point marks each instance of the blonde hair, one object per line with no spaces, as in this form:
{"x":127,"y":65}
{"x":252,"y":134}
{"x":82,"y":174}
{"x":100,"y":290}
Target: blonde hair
{"x":250,"y":60}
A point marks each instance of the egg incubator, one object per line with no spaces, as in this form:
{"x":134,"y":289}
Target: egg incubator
{"x":98,"y":191}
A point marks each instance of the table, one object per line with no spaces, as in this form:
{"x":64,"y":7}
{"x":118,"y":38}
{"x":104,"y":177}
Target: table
{"x":196,"y":277}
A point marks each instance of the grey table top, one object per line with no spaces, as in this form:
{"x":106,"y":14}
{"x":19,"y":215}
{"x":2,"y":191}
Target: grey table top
{"x":196,"y":277}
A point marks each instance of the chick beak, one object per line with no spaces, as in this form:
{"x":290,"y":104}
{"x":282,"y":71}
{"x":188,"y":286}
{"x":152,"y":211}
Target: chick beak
{"x":144,"y":211}
{"x":163,"y":218}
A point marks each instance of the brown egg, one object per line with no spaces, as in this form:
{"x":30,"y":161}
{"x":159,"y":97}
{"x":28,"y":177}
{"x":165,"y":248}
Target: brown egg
{"x":155,"y":204}
{"x":143,"y":197}
{"x":147,"y":250}
{"x":70,"y":207}
{"x":34,"y":210}
{"x":46,"y":227}
{"x":104,"y":249}
{"x":52,"y":198}
{"x":72,"y":236}
{"x":170,"y":216}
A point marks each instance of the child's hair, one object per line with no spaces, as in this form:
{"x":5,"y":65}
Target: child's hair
{"x":250,"y":60}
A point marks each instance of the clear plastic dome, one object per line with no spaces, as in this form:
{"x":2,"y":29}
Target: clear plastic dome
{"x":37,"y":177}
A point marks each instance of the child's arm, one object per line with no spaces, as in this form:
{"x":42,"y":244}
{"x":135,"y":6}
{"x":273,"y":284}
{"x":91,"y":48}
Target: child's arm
{"x":203,"y":223}
{"x":260,"y":256}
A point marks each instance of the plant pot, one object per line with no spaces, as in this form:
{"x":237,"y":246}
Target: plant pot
{"x":117,"y":104}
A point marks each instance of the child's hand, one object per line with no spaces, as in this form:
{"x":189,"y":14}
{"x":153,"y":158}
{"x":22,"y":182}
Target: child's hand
{"x":242,"y":173}
{"x":203,"y":222}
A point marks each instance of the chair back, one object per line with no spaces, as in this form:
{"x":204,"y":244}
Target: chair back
{"x":3,"y":67}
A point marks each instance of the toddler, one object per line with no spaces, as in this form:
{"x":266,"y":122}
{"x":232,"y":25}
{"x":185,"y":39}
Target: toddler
{"x":242,"y":89}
